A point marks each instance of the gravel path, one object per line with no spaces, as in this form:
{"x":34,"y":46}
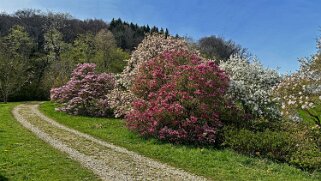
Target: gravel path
{"x":106,"y":160}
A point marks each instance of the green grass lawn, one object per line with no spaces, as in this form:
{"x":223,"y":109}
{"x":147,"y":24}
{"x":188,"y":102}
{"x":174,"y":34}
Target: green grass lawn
{"x":211,"y":163}
{"x":25,"y":157}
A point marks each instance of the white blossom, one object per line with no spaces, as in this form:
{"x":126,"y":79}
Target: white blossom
{"x":252,"y":85}
{"x":301,"y":89}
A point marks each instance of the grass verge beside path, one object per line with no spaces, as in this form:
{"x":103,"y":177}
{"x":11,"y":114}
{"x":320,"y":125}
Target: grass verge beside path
{"x":211,"y":163}
{"x":25,"y":157}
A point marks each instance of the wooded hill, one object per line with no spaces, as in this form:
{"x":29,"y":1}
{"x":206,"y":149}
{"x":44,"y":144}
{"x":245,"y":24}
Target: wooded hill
{"x":48,"y":45}
{"x":127,"y":34}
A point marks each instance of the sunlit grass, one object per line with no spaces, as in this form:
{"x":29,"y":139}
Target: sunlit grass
{"x":209,"y":162}
{"x":25,"y":157}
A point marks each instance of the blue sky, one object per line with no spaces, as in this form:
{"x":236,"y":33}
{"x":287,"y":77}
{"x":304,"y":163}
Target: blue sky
{"x":278,"y":32}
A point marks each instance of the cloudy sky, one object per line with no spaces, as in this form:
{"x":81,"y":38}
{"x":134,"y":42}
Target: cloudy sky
{"x":278,"y":32}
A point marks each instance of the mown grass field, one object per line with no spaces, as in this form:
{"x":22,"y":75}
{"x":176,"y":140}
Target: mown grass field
{"x":25,"y":157}
{"x":211,"y":163}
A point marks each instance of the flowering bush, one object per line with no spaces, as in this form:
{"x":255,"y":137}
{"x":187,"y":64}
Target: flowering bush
{"x":251,"y":87}
{"x":85,"y":93}
{"x":181,"y":99}
{"x":153,"y":45}
{"x":302,"y":91}
{"x":300,"y":96}
{"x":120,"y":101}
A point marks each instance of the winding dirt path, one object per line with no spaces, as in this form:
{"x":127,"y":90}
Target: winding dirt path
{"x":106,"y":160}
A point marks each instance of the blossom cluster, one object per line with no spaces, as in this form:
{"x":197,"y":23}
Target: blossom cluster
{"x":120,"y":101}
{"x":85,"y":93}
{"x":153,"y":45}
{"x":301,"y":91}
{"x":181,"y":99}
{"x":251,"y":86}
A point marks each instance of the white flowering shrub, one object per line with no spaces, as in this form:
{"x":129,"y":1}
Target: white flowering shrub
{"x":251,"y":86}
{"x":120,"y":101}
{"x":302,"y":91}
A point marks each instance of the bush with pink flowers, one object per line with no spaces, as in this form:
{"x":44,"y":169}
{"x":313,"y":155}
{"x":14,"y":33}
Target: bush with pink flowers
{"x":153,"y":45}
{"x":181,"y":99}
{"x":85,"y":93}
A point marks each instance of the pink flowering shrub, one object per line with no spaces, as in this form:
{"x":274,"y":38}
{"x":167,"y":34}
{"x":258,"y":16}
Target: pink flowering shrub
{"x":181,"y":99}
{"x":153,"y":45}
{"x":85,"y":93}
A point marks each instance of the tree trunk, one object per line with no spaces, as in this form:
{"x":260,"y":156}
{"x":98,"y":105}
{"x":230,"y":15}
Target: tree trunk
{"x":5,"y":98}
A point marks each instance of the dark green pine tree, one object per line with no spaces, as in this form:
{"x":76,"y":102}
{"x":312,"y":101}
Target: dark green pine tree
{"x":166,"y":33}
{"x":161,"y":31}
{"x":112,"y":23}
{"x":154,"y":29}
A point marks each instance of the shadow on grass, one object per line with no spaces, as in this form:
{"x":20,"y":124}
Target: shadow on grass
{"x":2,"y":178}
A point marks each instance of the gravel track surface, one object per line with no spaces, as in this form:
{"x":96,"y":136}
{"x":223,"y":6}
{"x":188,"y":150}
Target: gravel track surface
{"x":108,"y":161}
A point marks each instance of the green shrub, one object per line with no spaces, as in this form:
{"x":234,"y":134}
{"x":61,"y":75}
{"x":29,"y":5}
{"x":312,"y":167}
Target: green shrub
{"x":256,"y":125}
{"x":308,"y":154}
{"x":293,"y":143}
{"x":271,"y":144}
{"x":307,"y":158}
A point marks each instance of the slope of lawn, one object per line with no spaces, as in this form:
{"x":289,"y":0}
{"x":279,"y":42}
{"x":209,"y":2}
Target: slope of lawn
{"x":211,"y":163}
{"x":25,"y":157}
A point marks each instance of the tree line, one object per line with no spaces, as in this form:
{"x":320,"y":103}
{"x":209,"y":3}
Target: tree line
{"x":40,"y":49}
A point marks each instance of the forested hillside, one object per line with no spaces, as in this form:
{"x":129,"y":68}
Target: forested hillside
{"x":40,"y":49}
{"x":48,"y":45}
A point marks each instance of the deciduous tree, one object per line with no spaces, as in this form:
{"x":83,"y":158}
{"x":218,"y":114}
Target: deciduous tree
{"x":15,"y":49}
{"x":217,"y":48}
